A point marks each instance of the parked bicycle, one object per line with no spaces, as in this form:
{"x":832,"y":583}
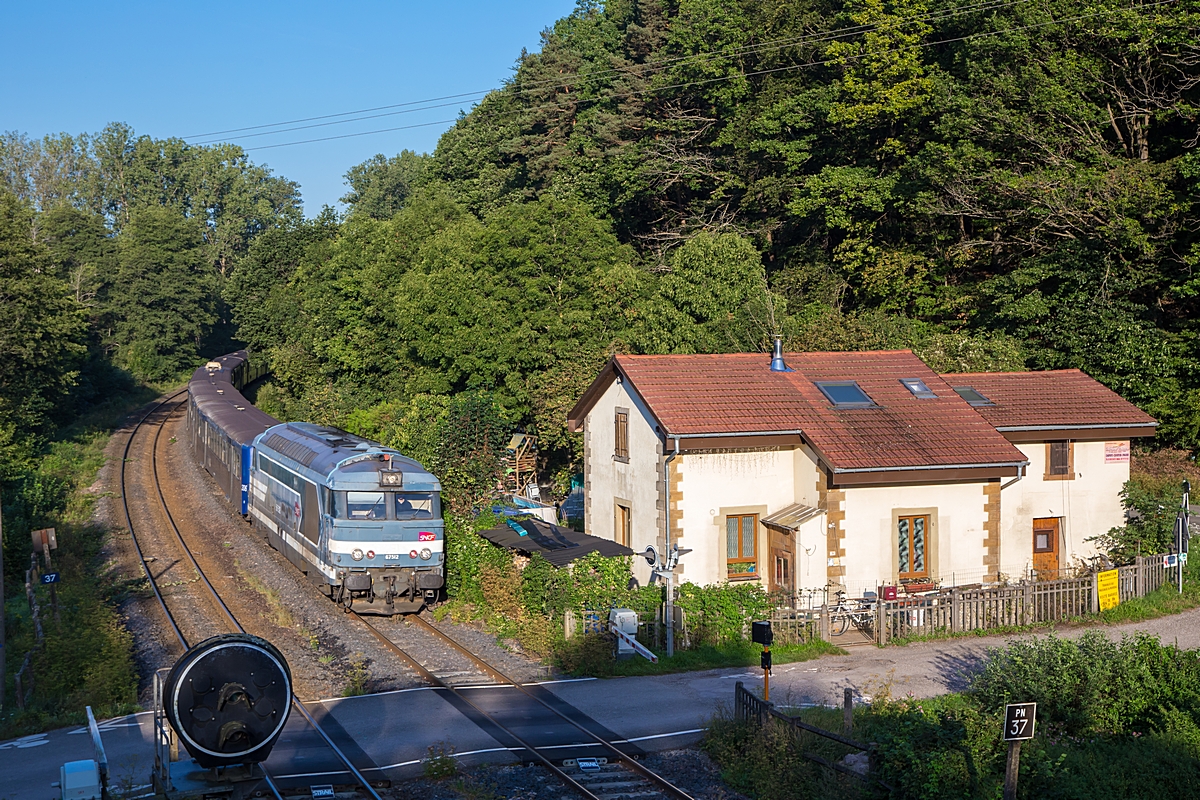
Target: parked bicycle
{"x":860,"y":613}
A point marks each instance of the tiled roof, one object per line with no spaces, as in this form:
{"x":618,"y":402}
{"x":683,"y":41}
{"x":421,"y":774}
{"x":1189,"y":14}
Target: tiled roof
{"x":737,"y":393}
{"x":1064,"y":398}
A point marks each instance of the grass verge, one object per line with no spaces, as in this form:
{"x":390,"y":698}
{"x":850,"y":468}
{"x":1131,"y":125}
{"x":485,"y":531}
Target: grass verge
{"x":87,"y":656}
{"x":1115,"y":720}
{"x":591,"y":655}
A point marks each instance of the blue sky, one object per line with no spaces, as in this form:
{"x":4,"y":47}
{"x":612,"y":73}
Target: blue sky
{"x":180,"y":69}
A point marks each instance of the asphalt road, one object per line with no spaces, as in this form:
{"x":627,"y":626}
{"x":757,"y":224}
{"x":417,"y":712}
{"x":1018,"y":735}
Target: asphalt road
{"x":389,"y":734}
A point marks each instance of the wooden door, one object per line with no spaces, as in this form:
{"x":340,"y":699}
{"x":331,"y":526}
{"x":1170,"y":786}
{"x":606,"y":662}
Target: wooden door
{"x":1045,"y":546}
{"x":624,"y":532}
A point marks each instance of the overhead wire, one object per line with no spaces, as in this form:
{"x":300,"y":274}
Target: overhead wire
{"x":987,"y":5}
{"x":634,"y":70}
{"x":741,"y":75}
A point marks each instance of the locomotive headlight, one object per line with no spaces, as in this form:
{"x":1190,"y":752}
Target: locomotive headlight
{"x":426,"y":553}
{"x":412,"y":553}
{"x":370,"y":554}
{"x":356,"y":554}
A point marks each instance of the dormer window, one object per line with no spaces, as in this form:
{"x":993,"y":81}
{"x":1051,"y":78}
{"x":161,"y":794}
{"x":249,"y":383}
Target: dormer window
{"x":972,"y":396}
{"x":918,"y":388}
{"x":845,"y":394}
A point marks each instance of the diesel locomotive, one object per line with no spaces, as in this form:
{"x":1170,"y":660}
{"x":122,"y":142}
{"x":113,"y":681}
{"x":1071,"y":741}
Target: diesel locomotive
{"x":361,"y":520}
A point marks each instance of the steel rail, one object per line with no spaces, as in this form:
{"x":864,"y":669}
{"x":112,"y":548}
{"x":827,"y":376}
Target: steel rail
{"x":358,"y":776}
{"x":129,"y":521}
{"x":436,"y":681}
{"x":613,"y":750}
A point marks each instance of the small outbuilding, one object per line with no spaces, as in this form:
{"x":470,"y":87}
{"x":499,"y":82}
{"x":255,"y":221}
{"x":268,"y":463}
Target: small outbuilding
{"x":558,"y":545}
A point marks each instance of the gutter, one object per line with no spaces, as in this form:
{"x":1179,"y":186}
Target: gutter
{"x":1078,"y":427}
{"x":1018,"y":464}
{"x":678,"y":436}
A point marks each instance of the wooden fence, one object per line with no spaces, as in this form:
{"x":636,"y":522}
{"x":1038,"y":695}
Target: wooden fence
{"x":1026,"y":603}
{"x":958,"y":609}
{"x":748,"y":707}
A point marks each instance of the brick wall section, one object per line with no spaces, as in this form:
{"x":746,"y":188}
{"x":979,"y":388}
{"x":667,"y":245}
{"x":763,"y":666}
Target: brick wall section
{"x":835,"y":535}
{"x":991,"y":530}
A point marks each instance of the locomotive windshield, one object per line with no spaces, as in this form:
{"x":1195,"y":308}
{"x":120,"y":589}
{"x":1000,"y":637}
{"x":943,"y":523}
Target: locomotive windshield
{"x":416,"y":505}
{"x":362,"y":505}
{"x":375,"y":505}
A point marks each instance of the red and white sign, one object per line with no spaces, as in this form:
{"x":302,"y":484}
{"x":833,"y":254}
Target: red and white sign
{"x":637,"y":646}
{"x":426,"y":536}
{"x":1116,"y":452}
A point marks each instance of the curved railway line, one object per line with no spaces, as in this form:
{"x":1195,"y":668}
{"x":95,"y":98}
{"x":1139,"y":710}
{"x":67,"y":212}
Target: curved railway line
{"x":215,"y":596}
{"x":621,"y":777}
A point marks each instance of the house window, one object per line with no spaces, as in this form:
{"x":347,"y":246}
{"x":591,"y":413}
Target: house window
{"x":972,"y":396}
{"x":1042,"y":543}
{"x":1059,"y":458}
{"x":912,"y":541}
{"x":741,"y":557}
{"x":1060,"y":461}
{"x":624,"y":527}
{"x":621,"y":437}
{"x":845,"y":393}
{"x":918,"y":388}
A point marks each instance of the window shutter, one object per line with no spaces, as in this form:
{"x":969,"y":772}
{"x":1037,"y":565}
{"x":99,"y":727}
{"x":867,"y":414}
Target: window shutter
{"x":1059,"y":458}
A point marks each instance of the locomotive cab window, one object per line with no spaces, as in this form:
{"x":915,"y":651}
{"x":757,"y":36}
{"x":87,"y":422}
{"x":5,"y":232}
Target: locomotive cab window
{"x":361,"y":505}
{"x":416,"y":505}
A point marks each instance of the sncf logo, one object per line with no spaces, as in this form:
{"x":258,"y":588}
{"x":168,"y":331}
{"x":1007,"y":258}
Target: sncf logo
{"x":426,"y":536}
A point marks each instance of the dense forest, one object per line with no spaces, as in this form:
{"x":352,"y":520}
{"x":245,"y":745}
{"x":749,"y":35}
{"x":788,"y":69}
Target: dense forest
{"x":996,"y":185}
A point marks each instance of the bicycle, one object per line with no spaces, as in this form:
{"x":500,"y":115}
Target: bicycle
{"x":862,"y":615}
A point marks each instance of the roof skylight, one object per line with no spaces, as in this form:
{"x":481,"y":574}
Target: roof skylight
{"x":845,"y":393}
{"x":972,"y":396}
{"x":918,"y":388}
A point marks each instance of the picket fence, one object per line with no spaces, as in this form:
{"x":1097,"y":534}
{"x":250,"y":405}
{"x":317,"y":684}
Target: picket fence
{"x":960,"y":609}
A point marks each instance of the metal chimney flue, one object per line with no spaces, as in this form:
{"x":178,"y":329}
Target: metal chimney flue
{"x":777,"y":362}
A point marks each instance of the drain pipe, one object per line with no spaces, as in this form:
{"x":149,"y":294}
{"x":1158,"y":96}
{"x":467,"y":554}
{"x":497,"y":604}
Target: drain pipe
{"x":669,"y":575}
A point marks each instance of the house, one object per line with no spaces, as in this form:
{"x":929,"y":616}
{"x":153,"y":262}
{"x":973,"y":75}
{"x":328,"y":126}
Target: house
{"x":851,"y":469}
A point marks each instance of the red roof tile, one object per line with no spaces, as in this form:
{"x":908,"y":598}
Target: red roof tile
{"x":1065,"y":398}
{"x":737,"y":393}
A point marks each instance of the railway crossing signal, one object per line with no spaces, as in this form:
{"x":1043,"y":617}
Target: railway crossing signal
{"x":761,"y":633}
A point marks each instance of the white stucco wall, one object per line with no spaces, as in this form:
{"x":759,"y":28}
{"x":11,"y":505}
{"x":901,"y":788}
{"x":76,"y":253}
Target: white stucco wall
{"x":1088,"y":505}
{"x":714,"y":485}
{"x":608,"y":480}
{"x":870,"y":536}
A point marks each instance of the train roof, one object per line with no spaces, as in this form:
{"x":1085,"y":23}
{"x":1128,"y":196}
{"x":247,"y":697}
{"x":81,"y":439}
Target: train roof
{"x":217,"y":398}
{"x":321,"y":448}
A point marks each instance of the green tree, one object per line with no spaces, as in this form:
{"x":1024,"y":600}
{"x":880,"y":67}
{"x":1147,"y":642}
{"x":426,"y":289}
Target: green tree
{"x":161,"y":295}
{"x":42,"y":331}
{"x":379,"y":186}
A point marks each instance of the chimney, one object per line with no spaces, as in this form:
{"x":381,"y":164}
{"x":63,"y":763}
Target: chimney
{"x":777,"y":362}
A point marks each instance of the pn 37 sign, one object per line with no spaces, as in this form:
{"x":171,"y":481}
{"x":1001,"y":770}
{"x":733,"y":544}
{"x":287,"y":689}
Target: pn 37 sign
{"x":1019,"y":719}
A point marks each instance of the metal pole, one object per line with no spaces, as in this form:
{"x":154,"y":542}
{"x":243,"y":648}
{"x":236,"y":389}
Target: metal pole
{"x":670,"y":575}
{"x":767,"y":677}
{"x":670,"y":613}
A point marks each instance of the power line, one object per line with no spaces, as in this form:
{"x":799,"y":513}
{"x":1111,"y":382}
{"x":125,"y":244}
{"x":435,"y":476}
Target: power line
{"x":689,"y":84}
{"x":637,"y":70}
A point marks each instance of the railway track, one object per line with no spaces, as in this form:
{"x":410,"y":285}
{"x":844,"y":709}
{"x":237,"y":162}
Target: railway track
{"x":273,"y":785}
{"x":616,"y":773}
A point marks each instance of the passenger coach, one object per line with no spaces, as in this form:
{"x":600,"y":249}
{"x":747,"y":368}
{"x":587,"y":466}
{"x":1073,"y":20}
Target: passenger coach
{"x":361,"y":520}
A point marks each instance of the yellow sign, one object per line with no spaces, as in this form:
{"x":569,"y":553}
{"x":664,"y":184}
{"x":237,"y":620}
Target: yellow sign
{"x":1106,"y":589}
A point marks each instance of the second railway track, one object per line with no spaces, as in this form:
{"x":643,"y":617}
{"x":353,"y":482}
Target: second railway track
{"x":621,"y":777}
